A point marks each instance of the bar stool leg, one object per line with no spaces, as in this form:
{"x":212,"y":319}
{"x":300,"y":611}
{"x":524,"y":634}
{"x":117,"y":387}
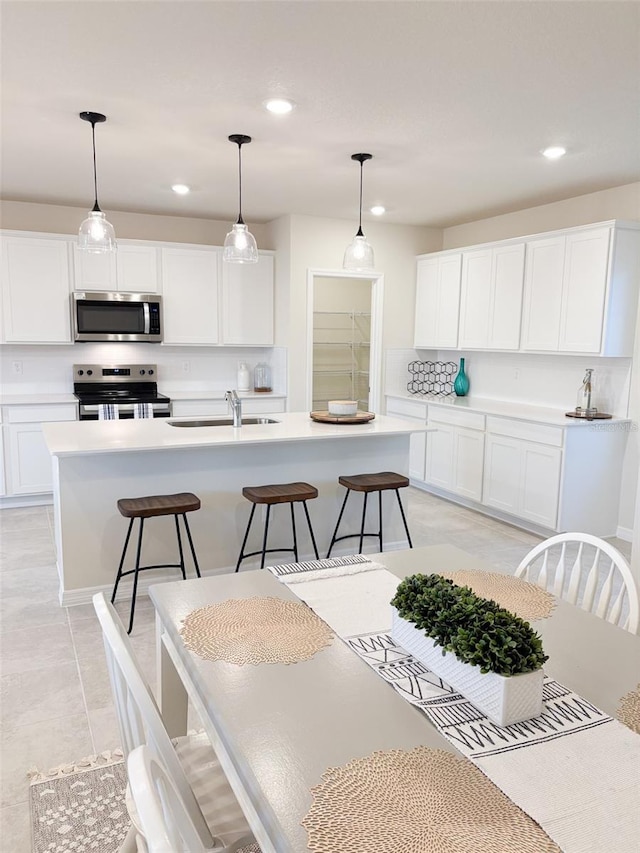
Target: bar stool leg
{"x":135,"y":577}
{"x":193,"y":550}
{"x":124,"y":552}
{"x":364,"y":513}
{"x":246,"y":536}
{"x":264,"y":540}
{"x":333,"y":538}
{"x":404,"y":520}
{"x":295,"y":538}
{"x":380,"y":517}
{"x":313,"y":538}
{"x":184,"y":574}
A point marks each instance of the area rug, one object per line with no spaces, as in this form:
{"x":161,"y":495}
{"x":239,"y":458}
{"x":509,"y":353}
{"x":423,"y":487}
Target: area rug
{"x":80,"y":808}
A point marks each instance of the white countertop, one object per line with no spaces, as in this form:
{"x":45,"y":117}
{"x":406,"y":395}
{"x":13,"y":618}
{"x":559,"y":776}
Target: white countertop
{"x":37,"y":399}
{"x":505,"y":409}
{"x":81,"y":438}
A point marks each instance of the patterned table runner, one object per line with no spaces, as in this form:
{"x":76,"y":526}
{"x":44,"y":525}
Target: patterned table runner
{"x":574,"y":769}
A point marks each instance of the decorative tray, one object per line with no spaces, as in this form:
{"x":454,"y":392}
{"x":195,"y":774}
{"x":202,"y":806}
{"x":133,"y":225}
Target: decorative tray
{"x":327,"y":418}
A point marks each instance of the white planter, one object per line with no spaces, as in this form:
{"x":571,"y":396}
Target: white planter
{"x":504,"y":699}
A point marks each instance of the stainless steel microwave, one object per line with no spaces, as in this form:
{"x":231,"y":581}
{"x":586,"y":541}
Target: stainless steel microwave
{"x":117,"y":317}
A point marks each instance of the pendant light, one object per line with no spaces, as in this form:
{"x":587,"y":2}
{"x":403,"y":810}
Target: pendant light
{"x":96,"y":234}
{"x":240,"y":244}
{"x":359,"y":254}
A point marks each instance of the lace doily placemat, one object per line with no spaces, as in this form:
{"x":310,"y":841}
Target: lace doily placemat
{"x":421,"y":801}
{"x":255,"y":630}
{"x":629,"y":710}
{"x":525,"y":599}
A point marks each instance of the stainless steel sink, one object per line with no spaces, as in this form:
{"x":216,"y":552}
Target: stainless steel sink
{"x":210,"y":422}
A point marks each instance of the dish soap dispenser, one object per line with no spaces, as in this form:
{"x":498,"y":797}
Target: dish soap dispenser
{"x":243,"y":382}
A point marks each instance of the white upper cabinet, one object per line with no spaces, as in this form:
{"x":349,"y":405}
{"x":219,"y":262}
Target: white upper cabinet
{"x":491,"y":297}
{"x":247,"y":303}
{"x":543,"y":294}
{"x":133,"y":268}
{"x":190,"y":296}
{"x":35,"y":290}
{"x":581,"y":291}
{"x":137,"y":268}
{"x":438,"y":301}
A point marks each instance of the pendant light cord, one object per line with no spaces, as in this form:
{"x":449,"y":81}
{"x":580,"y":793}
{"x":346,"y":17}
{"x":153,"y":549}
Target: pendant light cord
{"x":240,"y":219}
{"x":360,"y":234}
{"x":96,"y":206}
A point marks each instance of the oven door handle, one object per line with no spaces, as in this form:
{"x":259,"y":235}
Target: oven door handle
{"x":147,"y":317}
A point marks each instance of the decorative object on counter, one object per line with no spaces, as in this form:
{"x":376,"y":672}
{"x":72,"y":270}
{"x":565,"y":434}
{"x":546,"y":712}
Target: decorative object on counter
{"x":262,"y":377}
{"x":240,"y":244}
{"x":431,"y":377}
{"x":343,"y":407}
{"x":461,"y":382}
{"x":583,"y":408}
{"x":243,"y":379}
{"x":329,"y":418}
{"x":359,"y":253}
{"x":96,"y":233}
{"x":425,"y":800}
{"x":477,"y":647}
{"x":255,"y":630}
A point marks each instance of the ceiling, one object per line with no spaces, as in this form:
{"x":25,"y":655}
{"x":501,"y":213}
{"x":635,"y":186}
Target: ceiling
{"x":453,"y":99}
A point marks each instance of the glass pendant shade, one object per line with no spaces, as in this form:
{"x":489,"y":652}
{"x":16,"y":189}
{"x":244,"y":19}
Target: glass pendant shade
{"x":96,"y":234}
{"x":358,"y":255}
{"x":240,"y":246}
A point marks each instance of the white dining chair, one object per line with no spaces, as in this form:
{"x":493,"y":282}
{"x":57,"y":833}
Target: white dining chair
{"x":165,"y":824}
{"x":597,"y":578}
{"x":190,"y":761}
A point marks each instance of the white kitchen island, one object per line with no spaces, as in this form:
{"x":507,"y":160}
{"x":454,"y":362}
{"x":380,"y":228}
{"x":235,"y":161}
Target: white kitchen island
{"x":97,"y":462}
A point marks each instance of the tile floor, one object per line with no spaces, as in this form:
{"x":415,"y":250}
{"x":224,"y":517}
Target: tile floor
{"x":55,"y":696}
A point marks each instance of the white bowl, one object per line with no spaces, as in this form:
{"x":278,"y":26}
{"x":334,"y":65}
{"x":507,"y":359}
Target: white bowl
{"x":343,"y":407}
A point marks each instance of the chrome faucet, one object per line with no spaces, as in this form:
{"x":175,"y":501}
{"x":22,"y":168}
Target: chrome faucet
{"x":235,"y":404}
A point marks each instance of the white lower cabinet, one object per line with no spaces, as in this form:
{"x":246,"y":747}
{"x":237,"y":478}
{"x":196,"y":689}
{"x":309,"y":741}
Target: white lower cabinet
{"x":455,"y":450}
{"x":3,"y":485}
{"x":417,"y":412}
{"x":28,"y":459}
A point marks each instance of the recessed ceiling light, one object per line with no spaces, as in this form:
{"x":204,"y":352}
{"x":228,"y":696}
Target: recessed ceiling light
{"x":181,"y":189}
{"x":279,"y":106}
{"x":554,"y":152}
{"x":377,"y":209}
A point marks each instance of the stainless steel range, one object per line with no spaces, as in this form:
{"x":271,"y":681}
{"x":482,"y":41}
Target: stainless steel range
{"x":121,"y":386}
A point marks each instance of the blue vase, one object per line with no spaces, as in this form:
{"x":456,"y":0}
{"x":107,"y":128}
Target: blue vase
{"x":461,"y":382}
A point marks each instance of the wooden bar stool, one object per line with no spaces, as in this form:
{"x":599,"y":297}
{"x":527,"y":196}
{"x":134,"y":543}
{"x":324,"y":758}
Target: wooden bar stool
{"x":370,"y":483}
{"x":148,"y":507}
{"x":284,"y":493}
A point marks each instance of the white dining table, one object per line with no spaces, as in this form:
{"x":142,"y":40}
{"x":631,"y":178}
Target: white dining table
{"x":276,"y":728}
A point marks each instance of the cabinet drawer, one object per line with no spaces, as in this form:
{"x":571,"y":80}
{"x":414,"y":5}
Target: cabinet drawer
{"x":526,"y":430}
{"x":40,"y":414}
{"x":456,"y":417}
{"x":407,"y":408}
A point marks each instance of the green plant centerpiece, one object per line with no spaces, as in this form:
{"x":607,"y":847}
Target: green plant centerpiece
{"x":477,"y":647}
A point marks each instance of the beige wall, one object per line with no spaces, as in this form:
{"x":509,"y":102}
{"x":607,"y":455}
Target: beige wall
{"x":57,"y":219}
{"x":317,"y":243}
{"x":615,"y":203}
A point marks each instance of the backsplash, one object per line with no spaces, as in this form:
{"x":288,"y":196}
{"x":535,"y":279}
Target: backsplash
{"x":48,"y":369}
{"x":535,"y":380}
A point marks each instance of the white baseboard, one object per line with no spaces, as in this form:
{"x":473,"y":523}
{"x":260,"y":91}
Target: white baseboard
{"x":16,"y":501}
{"x":625,"y":533}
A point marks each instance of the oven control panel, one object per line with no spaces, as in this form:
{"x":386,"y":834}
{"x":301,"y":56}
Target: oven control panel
{"x":114,"y":372}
